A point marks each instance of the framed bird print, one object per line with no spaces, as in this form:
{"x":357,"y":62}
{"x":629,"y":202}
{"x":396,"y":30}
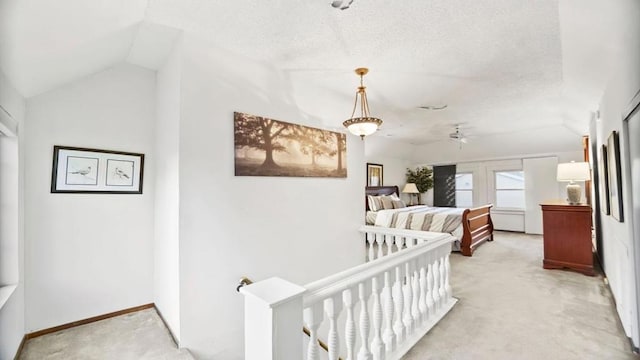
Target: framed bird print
{"x":82,"y":170}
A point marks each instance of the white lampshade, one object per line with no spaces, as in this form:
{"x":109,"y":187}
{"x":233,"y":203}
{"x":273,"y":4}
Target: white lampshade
{"x":363,"y":128}
{"x":573,"y":171}
{"x":410,"y":188}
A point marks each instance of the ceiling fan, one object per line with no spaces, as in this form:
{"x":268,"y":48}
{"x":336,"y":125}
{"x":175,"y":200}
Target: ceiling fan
{"x":458,"y":136}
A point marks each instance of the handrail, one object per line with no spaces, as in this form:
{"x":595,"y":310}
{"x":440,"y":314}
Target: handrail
{"x":243,"y":281}
{"x":246,"y":281}
{"x":320,"y":289}
{"x":418,"y":234}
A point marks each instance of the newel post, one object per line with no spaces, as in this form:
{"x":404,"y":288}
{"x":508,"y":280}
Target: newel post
{"x":273,"y":320}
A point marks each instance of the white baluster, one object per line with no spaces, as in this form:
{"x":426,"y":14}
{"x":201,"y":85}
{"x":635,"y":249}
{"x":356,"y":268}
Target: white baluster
{"x":442,"y":292}
{"x":430,"y":304}
{"x":415,"y":305}
{"x":402,"y":240}
{"x":350,"y":326}
{"x":398,"y":326}
{"x":313,"y":317}
{"x":447,"y":285}
{"x":436,"y":285}
{"x":332,"y":307}
{"x":388,"y":239}
{"x":399,"y":241}
{"x":408,"y":299}
{"x":364,"y":353}
{"x":379,"y":241}
{"x":388,"y":336}
{"x":371,"y":242}
{"x":422,"y":303}
{"x":377,"y":346}
{"x":410,"y":242}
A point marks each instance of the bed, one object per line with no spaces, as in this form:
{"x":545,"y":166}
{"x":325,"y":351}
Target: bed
{"x":471,"y":227}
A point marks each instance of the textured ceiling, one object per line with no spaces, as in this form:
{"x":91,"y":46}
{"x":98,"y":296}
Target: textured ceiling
{"x":497,"y":64}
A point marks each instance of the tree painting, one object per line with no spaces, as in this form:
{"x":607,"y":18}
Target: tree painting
{"x":260,"y":133}
{"x":313,"y":142}
{"x":267,"y":147}
{"x":341,"y":141}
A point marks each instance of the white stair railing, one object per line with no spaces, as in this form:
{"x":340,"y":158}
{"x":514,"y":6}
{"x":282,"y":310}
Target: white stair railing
{"x":383,"y":241}
{"x":374,"y":311}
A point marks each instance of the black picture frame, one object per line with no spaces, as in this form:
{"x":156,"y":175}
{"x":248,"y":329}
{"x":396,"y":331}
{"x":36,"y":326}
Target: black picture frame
{"x":604,"y":181}
{"x":615,"y":176}
{"x":96,"y":171}
{"x":375,"y":174}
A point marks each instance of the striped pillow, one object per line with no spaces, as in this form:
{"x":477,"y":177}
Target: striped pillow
{"x":398,"y":204}
{"x":375,"y":203}
{"x":387,"y":202}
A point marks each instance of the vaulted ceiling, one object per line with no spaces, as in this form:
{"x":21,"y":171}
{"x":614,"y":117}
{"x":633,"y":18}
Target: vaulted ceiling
{"x":500,"y":66}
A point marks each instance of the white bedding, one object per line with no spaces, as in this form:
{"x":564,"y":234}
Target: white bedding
{"x":422,"y":218}
{"x":384,"y":217}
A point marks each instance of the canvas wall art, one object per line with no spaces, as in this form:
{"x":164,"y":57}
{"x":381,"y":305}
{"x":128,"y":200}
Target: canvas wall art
{"x":268,"y":147}
{"x":82,"y":170}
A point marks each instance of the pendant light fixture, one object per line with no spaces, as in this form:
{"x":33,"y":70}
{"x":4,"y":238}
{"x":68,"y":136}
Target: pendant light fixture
{"x":365,"y":124}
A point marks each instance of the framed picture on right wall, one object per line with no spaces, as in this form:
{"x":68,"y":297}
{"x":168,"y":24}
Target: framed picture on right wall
{"x":604,"y":181}
{"x":615,"y":176}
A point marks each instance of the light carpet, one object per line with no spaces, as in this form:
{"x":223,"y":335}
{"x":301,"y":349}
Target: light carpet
{"x":136,"y":336}
{"x":509,"y":308}
{"x":512,"y":308}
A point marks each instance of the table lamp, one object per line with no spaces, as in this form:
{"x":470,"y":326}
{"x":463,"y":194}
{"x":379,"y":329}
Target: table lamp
{"x":573,"y":171}
{"x":411,"y":189}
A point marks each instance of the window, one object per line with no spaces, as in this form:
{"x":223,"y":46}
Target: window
{"x":464,"y":190}
{"x":510,"y":189}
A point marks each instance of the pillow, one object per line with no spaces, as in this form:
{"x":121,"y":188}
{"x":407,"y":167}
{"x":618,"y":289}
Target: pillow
{"x":398,"y":204}
{"x":375,"y":203}
{"x":394,"y":196}
{"x":387,"y":202}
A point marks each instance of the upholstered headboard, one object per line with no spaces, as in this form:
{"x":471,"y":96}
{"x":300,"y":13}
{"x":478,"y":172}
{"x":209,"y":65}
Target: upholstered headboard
{"x":377,"y":191}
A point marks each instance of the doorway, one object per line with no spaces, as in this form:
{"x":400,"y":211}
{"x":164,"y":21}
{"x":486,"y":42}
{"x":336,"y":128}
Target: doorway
{"x":631,"y":127}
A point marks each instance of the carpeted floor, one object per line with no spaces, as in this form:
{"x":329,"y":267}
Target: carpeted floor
{"x":135,"y":336}
{"x":511,"y":308}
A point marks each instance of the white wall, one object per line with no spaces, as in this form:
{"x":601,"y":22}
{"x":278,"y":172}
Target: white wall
{"x":483,"y":184}
{"x":483,"y":190}
{"x":632,"y":127}
{"x":11,"y":232}
{"x":396,"y":157}
{"x":541,"y":185}
{"x":300,"y":229}
{"x":547,"y":141}
{"x":395,"y":170}
{"x":393,"y":155}
{"x":482,"y":151}
{"x":166,"y":286}
{"x":618,"y":244}
{"x":88,"y":254}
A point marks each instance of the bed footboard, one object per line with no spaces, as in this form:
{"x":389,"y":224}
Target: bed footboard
{"x":477,"y":226}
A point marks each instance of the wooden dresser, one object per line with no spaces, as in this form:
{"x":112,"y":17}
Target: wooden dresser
{"x":567,"y":237}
